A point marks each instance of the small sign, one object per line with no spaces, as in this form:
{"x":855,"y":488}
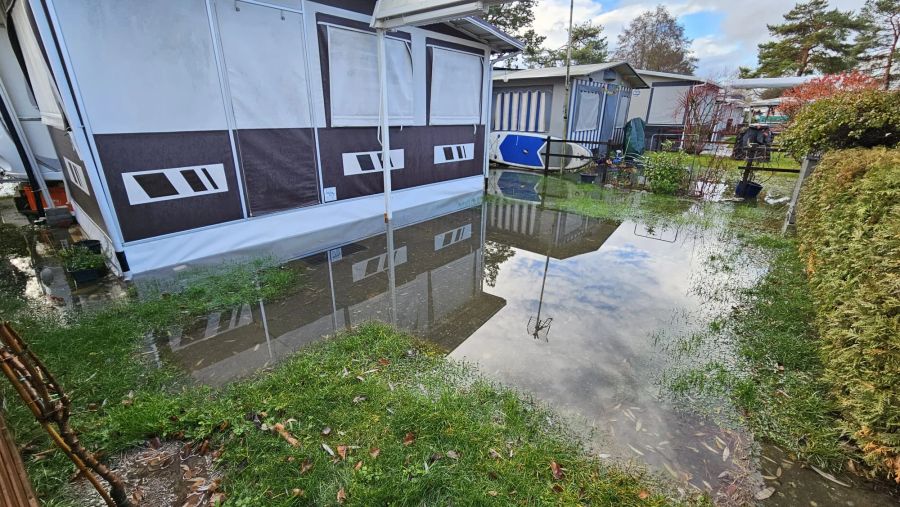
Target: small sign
{"x":330,"y":194}
{"x":335,"y":254}
{"x":636,"y":92}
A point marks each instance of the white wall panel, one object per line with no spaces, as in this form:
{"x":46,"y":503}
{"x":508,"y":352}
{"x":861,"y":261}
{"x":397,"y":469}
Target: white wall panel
{"x":143,"y":66}
{"x":265,"y":63}
{"x":664,"y":105}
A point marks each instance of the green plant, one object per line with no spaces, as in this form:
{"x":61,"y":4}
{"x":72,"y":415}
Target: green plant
{"x":665,"y":170}
{"x":849,"y":227}
{"x":847,"y":120}
{"x":77,"y":258}
{"x":12,"y":241}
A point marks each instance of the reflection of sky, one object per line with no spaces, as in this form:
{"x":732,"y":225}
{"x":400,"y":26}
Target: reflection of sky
{"x":605,"y":305}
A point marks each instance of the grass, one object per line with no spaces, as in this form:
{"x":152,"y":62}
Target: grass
{"x":775,"y":374}
{"x":444,"y":434}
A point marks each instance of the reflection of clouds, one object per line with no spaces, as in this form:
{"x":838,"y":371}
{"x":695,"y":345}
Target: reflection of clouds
{"x":604,"y":305}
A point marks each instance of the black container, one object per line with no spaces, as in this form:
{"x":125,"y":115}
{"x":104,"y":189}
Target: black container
{"x":91,"y":244}
{"x":748,"y":190}
{"x":588,"y":178}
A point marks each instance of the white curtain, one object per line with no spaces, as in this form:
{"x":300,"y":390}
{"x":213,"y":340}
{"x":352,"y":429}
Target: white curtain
{"x":38,"y":73}
{"x":353,"y":74}
{"x":588,"y":111}
{"x":456,"y":81}
{"x":266,"y":66}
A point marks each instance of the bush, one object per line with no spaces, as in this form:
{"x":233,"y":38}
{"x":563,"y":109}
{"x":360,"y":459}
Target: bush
{"x":860,"y":119}
{"x":665,"y":171}
{"x":849,"y":227}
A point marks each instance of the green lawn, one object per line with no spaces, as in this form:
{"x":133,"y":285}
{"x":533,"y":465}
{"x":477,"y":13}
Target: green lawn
{"x":407,"y":425}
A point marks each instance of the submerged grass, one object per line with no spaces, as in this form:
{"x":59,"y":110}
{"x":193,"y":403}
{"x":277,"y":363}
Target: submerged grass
{"x":444,"y":435}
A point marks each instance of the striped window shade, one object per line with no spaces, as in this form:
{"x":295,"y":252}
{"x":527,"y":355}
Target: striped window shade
{"x":521,"y":111}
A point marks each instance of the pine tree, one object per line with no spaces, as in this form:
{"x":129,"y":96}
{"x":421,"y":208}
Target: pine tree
{"x":588,"y":46}
{"x":877,"y":44}
{"x":813,"y":38}
{"x":517,"y":18}
{"x":656,"y":41}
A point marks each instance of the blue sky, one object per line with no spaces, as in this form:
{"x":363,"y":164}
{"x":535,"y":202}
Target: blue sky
{"x":725,"y":33}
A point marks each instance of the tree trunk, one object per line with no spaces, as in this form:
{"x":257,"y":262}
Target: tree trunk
{"x":890,"y":60}
{"x":804,"y":61}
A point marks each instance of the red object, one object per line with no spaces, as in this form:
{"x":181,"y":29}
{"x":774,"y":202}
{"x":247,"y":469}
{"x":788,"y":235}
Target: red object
{"x":57,"y":194}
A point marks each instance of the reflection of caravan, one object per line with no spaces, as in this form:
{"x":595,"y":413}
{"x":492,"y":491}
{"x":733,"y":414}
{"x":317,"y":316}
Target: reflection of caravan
{"x":202,"y":126}
{"x":438,"y":296}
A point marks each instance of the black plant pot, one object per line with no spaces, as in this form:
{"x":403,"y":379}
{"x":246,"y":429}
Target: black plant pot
{"x":83,"y":276}
{"x":91,"y":244}
{"x":588,"y":178}
{"x":748,"y":190}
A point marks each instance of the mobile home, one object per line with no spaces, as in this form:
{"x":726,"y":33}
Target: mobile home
{"x":196,"y":127}
{"x":533,"y":100}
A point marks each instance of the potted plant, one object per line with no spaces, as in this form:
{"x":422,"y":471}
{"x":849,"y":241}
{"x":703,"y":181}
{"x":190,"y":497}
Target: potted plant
{"x":589,"y":175}
{"x":83,"y":264}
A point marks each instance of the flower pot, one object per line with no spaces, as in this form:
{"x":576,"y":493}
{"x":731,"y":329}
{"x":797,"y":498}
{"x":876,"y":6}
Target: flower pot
{"x":83,"y":276}
{"x":747,"y":190}
{"x":91,"y":244}
{"x":588,"y":178}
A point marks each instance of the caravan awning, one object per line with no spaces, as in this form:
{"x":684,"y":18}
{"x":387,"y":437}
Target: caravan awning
{"x":459,"y":14}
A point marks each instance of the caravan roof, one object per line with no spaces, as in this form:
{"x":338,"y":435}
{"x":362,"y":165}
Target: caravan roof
{"x":623,"y":68}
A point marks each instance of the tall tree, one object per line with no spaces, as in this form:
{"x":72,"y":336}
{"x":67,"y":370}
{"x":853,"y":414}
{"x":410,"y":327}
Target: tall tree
{"x":655,"y":40}
{"x":877,"y":44}
{"x":813,"y":38}
{"x":517,"y":18}
{"x":588,"y":46}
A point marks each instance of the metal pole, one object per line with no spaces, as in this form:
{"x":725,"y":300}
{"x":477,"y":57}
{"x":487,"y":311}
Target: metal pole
{"x":568,"y":76}
{"x":384,"y":127}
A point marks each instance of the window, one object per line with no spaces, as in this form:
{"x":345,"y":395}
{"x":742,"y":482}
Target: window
{"x":456,"y":83}
{"x":588,"y":115}
{"x":353,"y":77}
{"x":521,"y":111}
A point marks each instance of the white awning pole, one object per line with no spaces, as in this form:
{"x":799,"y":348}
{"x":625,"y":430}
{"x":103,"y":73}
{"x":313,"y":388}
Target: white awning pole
{"x":385,"y":134}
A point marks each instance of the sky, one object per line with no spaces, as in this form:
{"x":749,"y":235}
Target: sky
{"x":724,"y":33}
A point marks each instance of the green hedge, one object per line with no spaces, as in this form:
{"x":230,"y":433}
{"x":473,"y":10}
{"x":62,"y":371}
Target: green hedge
{"x":847,"y":120}
{"x":849,"y":228}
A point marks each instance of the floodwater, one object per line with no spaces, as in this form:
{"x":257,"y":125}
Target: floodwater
{"x":566,"y":308}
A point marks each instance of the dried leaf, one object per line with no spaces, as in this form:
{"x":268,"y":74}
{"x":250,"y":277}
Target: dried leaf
{"x":409,"y":438}
{"x":452,"y":454}
{"x":359,"y":399}
{"x":383,"y":362}
{"x":557,"y":470}
{"x":435,"y":457}
{"x":374,"y":452}
{"x":326,"y":431}
{"x":358,"y":465}
{"x":557,"y":488}
{"x":829,"y":477}
{"x":306,"y":466}
{"x":341,"y":496}
{"x":494,"y":454}
{"x":284,"y":434}
{"x":643,"y":494}
{"x":327,"y":449}
{"x":765,"y":493}
{"x":725,"y":454}
{"x":217,"y":498}
{"x":492,"y":493}
{"x":342,"y":451}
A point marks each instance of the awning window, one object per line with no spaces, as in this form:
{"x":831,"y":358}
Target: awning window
{"x":456,"y":82}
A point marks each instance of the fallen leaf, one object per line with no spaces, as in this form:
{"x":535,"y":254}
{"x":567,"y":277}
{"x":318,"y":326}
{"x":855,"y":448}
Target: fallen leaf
{"x":326,"y":431}
{"x":306,"y":466}
{"x":341,"y":495}
{"x":765,"y":493}
{"x":217,"y":498}
{"x":359,"y":399}
{"x":284,"y":434}
{"x":435,"y":457}
{"x":557,"y":470}
{"x":327,"y":449}
{"x":452,"y":454}
{"x":557,"y":488}
{"x":494,"y":454}
{"x":725,"y":454}
{"x":643,"y":494}
{"x":374,"y":452}
{"x":297,"y":492}
{"x":409,"y":438}
{"x":492,"y":493}
{"x":383,"y":362}
{"x":358,"y":465}
{"x":342,"y":451}
{"x":829,"y":477}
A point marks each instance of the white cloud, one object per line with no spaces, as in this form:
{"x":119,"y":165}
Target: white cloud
{"x":721,"y":51}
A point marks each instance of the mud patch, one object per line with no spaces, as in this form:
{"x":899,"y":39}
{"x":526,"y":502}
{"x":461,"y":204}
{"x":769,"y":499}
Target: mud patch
{"x":161,"y":475}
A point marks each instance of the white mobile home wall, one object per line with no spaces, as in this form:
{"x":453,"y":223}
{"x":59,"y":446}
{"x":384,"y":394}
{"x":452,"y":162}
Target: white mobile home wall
{"x":205,"y":126}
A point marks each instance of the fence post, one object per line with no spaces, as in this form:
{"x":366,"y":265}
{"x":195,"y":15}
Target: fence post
{"x":806,"y":168}
{"x":547,"y":157}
